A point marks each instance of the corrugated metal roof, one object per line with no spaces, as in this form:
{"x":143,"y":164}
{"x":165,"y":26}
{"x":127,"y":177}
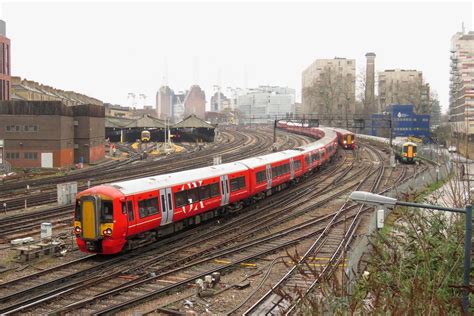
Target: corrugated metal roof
{"x":193,"y":121}
{"x":145,"y":121}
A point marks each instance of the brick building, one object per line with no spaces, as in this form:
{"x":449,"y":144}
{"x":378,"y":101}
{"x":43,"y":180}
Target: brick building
{"x":49,"y":134}
{"x":5,"y":68}
{"x":29,"y":90}
{"x":89,"y":133}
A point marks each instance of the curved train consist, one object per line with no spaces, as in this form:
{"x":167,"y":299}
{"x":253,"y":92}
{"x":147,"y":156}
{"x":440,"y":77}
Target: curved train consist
{"x":123,"y":215}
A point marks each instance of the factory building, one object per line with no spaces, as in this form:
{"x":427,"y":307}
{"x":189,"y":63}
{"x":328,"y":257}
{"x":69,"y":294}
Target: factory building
{"x":49,"y":134}
{"x":195,"y":102}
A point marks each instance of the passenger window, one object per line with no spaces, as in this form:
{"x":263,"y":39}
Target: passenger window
{"x":124,"y":208}
{"x":180,"y":198}
{"x":215,"y":190}
{"x":131,"y":217}
{"x":260,"y":176}
{"x":193,"y":195}
{"x":237,"y":184}
{"x":107,"y":212}
{"x":147,"y":207}
{"x":77,"y":213}
{"x":204,"y":192}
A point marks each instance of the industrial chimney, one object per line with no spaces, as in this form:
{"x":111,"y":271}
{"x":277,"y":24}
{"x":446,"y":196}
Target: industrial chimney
{"x":369,"y":105}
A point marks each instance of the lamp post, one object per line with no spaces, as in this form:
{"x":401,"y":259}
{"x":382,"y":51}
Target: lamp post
{"x":376,"y":199}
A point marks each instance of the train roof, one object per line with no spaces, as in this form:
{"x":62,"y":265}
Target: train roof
{"x":410,"y":143}
{"x":329,"y":134}
{"x":171,"y":179}
{"x":270,"y":158}
{"x":340,"y":130}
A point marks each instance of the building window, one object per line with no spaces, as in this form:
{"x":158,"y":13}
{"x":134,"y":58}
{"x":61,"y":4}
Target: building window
{"x":12,"y":155}
{"x":13,"y":128}
{"x":30,"y":156}
{"x":30,"y":128}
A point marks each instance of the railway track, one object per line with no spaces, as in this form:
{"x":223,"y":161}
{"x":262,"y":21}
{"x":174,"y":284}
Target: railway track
{"x":43,"y":193}
{"x":225,"y":231}
{"x":284,"y":297}
{"x":243,"y":239}
{"x":20,"y":225}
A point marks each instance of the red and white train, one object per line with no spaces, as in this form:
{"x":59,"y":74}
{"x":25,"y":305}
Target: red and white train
{"x":123,"y":215}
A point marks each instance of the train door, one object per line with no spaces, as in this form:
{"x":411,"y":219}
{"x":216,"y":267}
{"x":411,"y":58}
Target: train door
{"x":225,"y":195}
{"x":269,"y":176}
{"x":167,"y":211}
{"x":292,"y":169}
{"x":410,"y":151}
{"x":132,"y":221}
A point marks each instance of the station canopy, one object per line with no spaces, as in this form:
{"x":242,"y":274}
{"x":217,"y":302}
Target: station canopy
{"x":193,"y":121}
{"x":145,"y":121}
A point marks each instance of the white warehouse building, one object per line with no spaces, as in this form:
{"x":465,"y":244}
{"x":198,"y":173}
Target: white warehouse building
{"x":267,"y":102}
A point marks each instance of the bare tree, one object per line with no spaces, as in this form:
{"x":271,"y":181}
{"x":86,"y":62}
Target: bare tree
{"x":332,"y":93}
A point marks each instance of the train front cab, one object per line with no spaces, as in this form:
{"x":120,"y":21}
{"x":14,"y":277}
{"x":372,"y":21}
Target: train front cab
{"x":408,"y":154}
{"x":348,"y":141}
{"x":94,"y":225}
{"x":145,"y":136}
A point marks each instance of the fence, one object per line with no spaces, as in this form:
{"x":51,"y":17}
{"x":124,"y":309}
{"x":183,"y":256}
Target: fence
{"x":416,"y":183}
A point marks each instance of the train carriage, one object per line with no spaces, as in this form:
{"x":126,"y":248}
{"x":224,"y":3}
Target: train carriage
{"x":148,"y":205}
{"x":111,"y":217}
{"x":406,"y":152}
{"x":270,"y":171}
{"x":346,"y":139}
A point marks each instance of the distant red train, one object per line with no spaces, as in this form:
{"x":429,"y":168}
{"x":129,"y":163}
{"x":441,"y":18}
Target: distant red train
{"x":123,"y":215}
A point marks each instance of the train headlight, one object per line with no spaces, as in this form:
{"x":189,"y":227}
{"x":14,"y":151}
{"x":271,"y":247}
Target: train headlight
{"x":77,"y":229}
{"x":345,"y":142}
{"x":108,"y":232}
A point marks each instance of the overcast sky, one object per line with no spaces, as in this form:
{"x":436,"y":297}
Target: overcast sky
{"x":107,"y":50}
